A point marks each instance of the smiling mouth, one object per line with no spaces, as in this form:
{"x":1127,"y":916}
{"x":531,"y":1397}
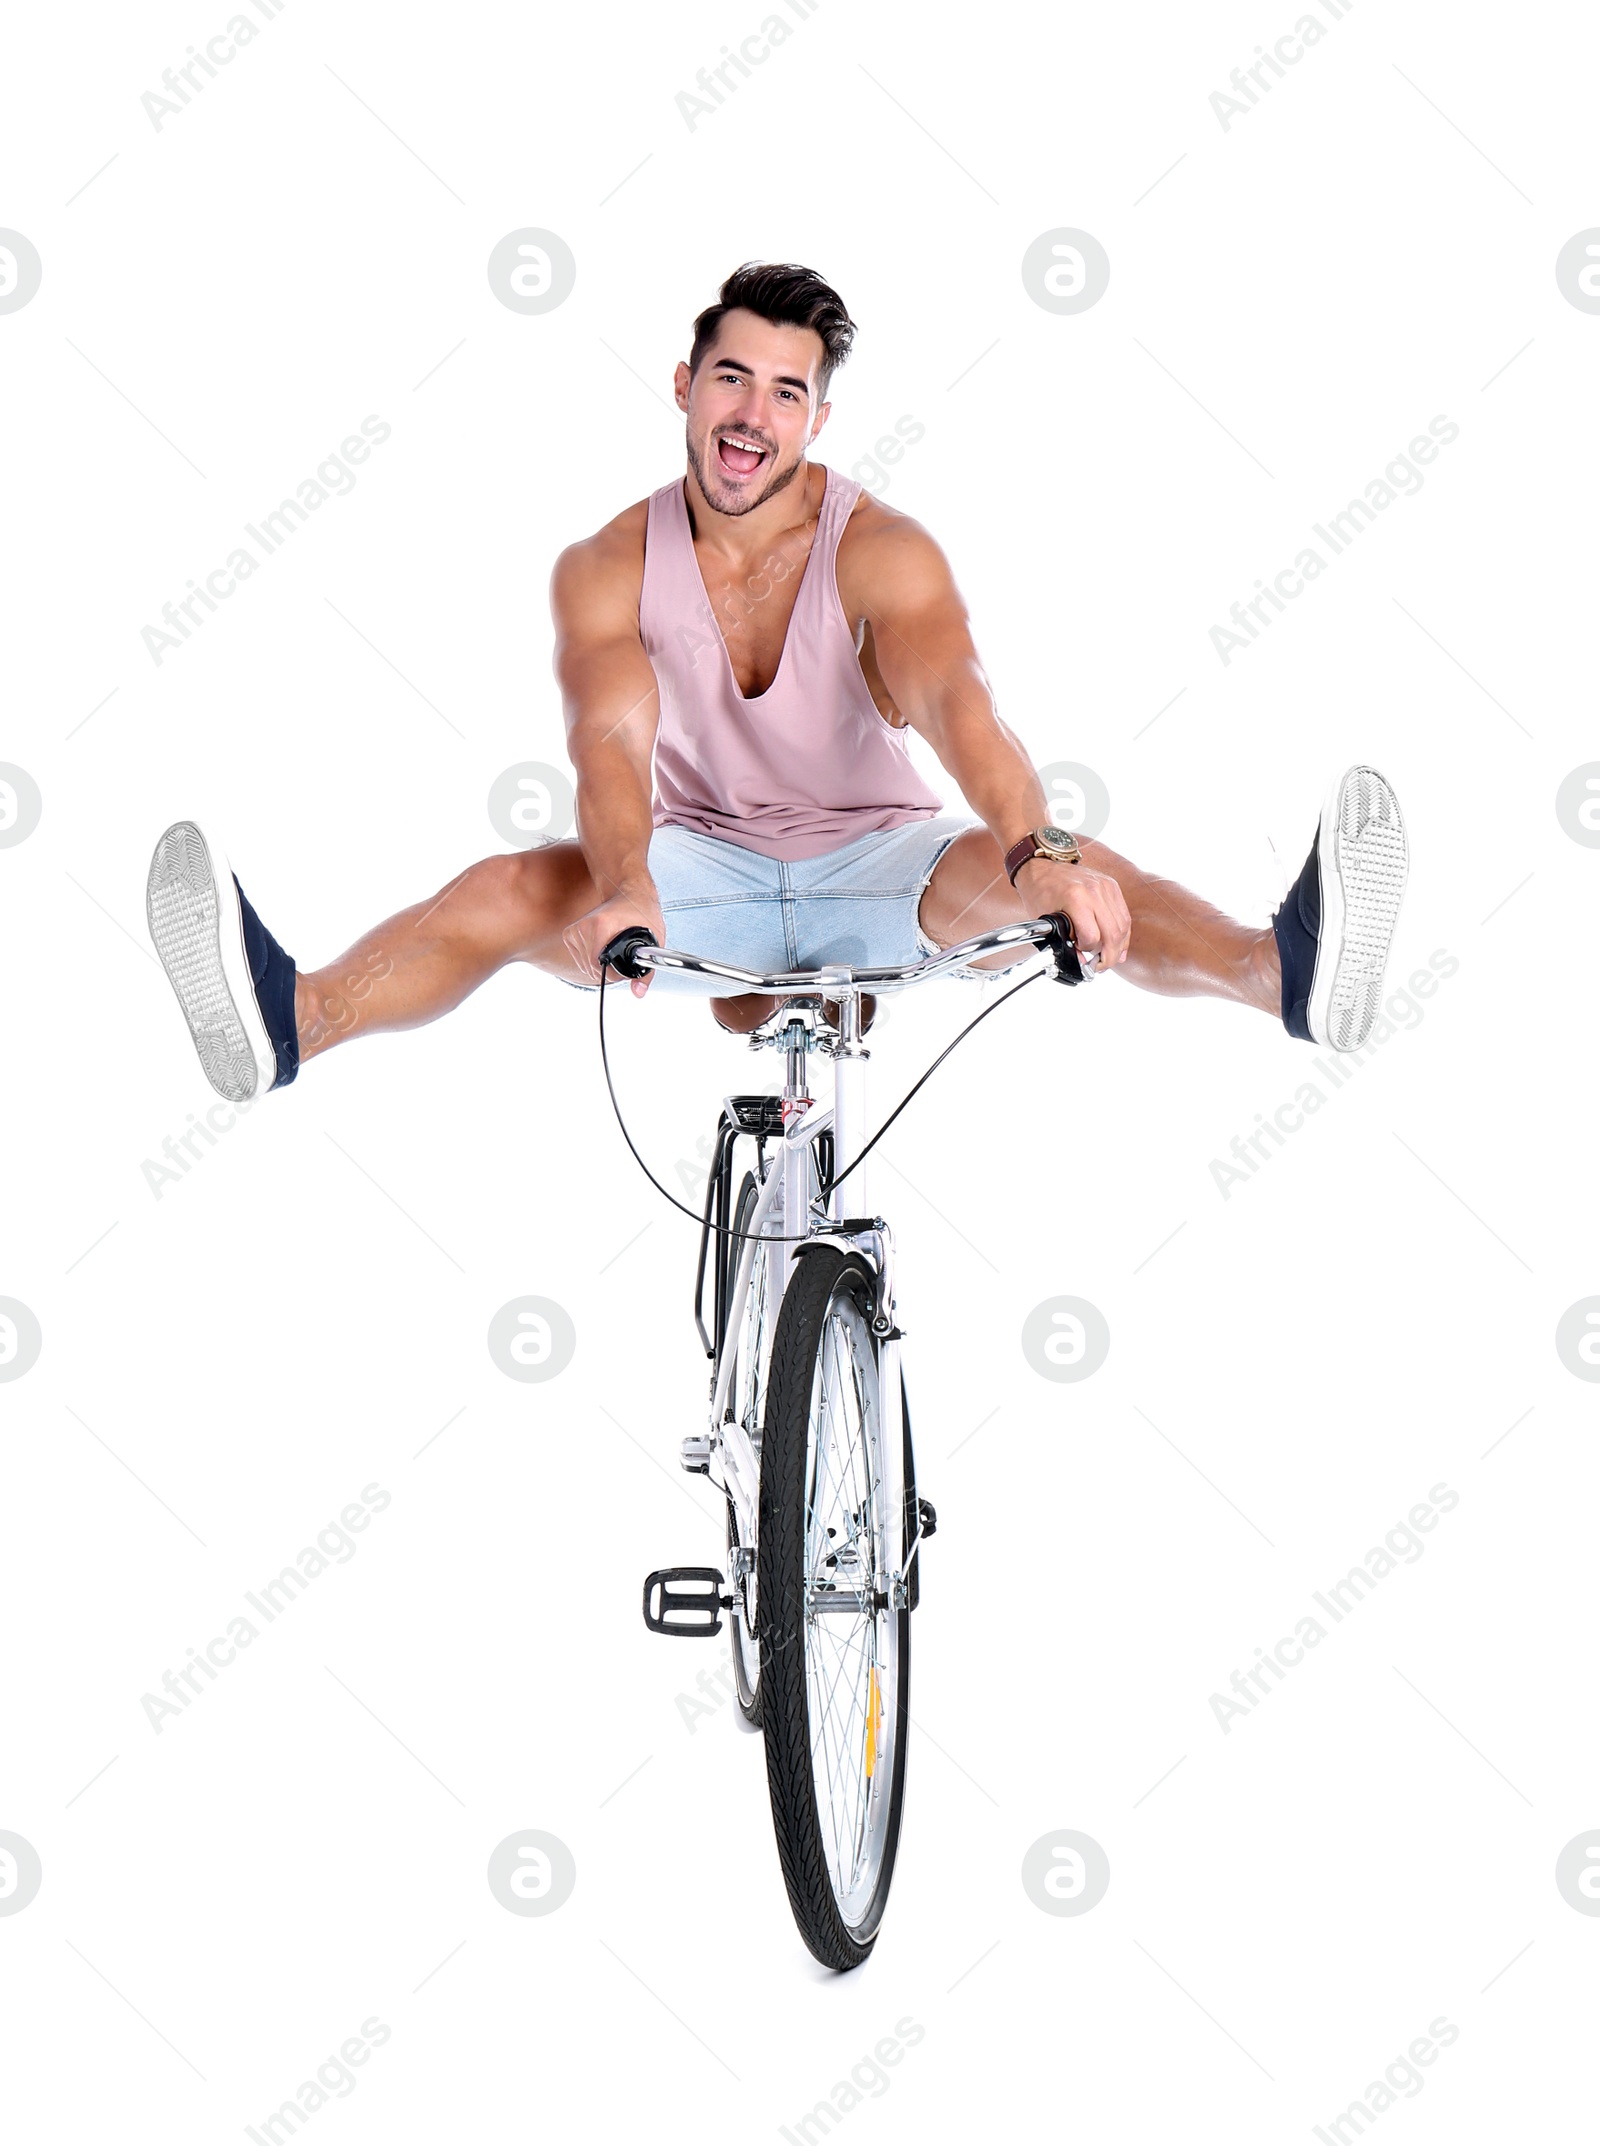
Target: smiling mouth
{"x":739,"y":456}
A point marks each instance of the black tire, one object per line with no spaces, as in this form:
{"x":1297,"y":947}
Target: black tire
{"x":824,"y":1279}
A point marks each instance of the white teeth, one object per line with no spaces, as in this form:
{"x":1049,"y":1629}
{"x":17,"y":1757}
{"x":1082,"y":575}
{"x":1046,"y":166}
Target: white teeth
{"x":748,"y":446}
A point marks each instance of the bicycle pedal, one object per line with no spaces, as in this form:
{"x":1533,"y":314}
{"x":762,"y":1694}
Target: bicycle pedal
{"x":694,"y":1456}
{"x":692,"y":1611}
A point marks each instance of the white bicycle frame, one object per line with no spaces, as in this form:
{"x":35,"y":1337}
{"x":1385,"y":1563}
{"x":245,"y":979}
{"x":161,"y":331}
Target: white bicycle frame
{"x":805,"y":1118}
{"x":791,"y":1176}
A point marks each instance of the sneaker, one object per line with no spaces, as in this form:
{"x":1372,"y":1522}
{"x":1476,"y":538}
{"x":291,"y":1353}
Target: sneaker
{"x":234,"y":981}
{"x":1336,"y":922}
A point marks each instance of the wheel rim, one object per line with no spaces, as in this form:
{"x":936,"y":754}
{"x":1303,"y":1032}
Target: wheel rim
{"x":851,"y":1624}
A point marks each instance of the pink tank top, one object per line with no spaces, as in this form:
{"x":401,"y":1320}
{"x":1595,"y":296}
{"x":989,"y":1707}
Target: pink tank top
{"x":805,"y":767}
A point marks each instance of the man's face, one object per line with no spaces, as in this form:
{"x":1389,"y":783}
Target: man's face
{"x":752,"y":409}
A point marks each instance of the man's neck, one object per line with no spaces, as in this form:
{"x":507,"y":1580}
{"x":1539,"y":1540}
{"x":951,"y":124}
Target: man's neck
{"x":738,"y":536}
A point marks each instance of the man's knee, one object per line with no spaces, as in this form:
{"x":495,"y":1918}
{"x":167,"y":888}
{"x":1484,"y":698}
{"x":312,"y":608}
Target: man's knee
{"x":967,"y":891}
{"x":534,"y":894}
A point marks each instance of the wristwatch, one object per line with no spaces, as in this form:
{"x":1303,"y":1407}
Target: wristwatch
{"x":1042,"y":842}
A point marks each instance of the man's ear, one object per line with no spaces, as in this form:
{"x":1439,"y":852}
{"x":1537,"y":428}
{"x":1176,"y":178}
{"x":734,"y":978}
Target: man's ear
{"x":822,"y":419}
{"x":680,"y":386}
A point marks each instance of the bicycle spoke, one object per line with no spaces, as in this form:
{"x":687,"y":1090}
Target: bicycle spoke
{"x":837,"y":1755}
{"x":832,"y":1692}
{"x":835,"y":1762}
{"x":835,"y":1805}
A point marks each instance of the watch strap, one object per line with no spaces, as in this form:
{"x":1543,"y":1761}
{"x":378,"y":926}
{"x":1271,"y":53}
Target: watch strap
{"x":1019,"y":853}
{"x":1021,"y":850}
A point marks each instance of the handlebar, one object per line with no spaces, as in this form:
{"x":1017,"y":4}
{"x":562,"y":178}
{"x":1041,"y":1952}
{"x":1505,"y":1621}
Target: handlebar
{"x":632,"y":953}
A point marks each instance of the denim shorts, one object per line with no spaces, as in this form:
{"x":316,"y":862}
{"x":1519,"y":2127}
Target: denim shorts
{"x":857,"y":904}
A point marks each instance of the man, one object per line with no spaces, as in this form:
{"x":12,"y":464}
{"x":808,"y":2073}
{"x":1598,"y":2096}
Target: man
{"x":740,"y":657}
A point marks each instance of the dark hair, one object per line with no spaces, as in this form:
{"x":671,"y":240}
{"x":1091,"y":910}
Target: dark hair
{"x":789,"y":296}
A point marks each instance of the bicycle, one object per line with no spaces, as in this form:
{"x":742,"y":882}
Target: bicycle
{"x":810,"y":1432}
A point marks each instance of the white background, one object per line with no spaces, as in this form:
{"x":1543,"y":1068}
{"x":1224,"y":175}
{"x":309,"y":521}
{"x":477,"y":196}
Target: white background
{"x":299,"y":1315}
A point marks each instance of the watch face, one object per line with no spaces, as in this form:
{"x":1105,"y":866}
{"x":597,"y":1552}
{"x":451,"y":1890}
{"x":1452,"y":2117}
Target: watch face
{"x":1056,"y":838}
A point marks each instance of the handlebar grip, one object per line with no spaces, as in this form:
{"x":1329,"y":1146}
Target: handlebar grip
{"x":1063,"y":944}
{"x":619,"y":954}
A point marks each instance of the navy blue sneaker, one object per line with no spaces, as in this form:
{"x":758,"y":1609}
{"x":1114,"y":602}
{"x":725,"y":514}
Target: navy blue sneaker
{"x":234,"y":981}
{"x":1337,"y":920}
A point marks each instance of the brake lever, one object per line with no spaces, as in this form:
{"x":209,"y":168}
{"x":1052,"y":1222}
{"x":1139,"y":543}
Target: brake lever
{"x":1072,"y":966}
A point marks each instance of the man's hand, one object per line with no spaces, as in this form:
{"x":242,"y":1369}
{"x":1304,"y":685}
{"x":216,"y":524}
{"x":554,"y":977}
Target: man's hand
{"x":585,"y":939}
{"x":1093,"y":900}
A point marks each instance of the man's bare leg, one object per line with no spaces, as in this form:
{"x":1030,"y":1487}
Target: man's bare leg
{"x":423,"y":962}
{"x":1180,"y":946}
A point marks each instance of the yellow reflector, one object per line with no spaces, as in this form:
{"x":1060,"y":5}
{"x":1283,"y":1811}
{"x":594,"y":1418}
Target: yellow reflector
{"x":873,"y":1706}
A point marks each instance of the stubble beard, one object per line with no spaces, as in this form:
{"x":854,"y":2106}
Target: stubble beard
{"x":781,"y":480}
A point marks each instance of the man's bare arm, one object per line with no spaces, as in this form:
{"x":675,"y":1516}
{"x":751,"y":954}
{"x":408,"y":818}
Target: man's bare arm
{"x":896,"y":574}
{"x":612,"y":709}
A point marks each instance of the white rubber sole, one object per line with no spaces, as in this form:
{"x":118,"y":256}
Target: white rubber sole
{"x":1362,"y":862}
{"x":197,"y":928}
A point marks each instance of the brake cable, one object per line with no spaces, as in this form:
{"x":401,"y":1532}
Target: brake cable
{"x":761,"y":1236}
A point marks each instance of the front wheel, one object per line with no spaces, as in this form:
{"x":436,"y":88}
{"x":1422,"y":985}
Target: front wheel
{"x":835,"y":1643}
